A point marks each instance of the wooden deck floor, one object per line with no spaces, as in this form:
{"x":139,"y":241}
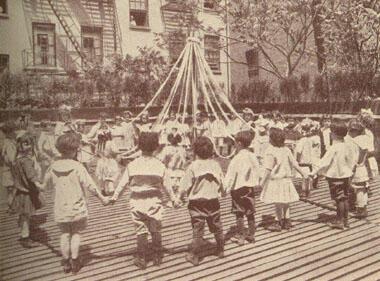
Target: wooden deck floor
{"x":310,"y":251}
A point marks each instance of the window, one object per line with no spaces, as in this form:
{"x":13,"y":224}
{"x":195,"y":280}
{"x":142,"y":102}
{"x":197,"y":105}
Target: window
{"x":3,"y":7}
{"x":209,"y":4}
{"x":138,"y":13}
{"x":4,"y":62}
{"x":252,"y":57}
{"x":92,"y":43}
{"x":44,"y":44}
{"x":212,"y":52}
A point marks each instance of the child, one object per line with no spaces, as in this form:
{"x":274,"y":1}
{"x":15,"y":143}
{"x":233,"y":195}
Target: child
{"x":26,"y":179}
{"x":107,"y":171}
{"x":315,"y":149}
{"x":277,"y":182}
{"x":8,"y":156}
{"x":87,"y":148}
{"x":145,"y":177}
{"x":70,"y":179}
{"x":303,"y":152}
{"x":337,"y":165}
{"x":174,"y":158}
{"x":47,"y":151}
{"x":241,"y":181}
{"x":360,"y":180}
{"x":202,"y":183}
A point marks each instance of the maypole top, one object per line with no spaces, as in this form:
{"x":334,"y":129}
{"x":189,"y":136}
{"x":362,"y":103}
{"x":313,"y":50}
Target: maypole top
{"x":194,"y":40}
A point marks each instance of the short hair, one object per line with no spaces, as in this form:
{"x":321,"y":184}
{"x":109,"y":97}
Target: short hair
{"x":245,"y":138}
{"x":339,"y":128}
{"x":8,"y":127}
{"x":355,"y":126}
{"x":174,"y":139}
{"x":68,"y":143}
{"x":203,"y":147}
{"x":148,"y":142}
{"x":277,"y":137}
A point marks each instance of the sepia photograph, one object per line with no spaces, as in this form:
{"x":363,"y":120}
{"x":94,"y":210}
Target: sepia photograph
{"x":189,"y":140}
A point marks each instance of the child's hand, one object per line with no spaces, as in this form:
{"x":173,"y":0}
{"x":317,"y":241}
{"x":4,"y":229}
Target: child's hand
{"x":177,"y":203}
{"x":105,"y":200}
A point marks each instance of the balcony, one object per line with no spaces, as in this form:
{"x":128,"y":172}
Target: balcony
{"x":45,"y":62}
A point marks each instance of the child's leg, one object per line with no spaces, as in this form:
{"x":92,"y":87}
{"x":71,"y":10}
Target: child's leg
{"x":251,"y":228}
{"x":279,"y":212}
{"x":155,"y":230}
{"x":65,"y":246}
{"x":24,"y":221}
{"x":74,"y":245}
{"x":215,"y":226}
{"x":286,"y":211}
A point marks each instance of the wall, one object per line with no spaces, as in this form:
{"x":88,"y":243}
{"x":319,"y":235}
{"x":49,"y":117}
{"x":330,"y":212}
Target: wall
{"x":14,"y":35}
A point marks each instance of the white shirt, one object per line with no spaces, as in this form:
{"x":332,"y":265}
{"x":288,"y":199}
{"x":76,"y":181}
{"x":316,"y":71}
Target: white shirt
{"x":202,"y":180}
{"x":239,"y":175}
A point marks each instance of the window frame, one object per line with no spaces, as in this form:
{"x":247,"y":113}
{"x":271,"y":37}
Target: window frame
{"x":89,"y":32}
{"x":208,"y":8}
{"x":207,"y":49}
{"x":5,"y":66}
{"x":35,"y":31}
{"x":6,"y":13}
{"x":141,"y":11}
{"x":253,"y":68}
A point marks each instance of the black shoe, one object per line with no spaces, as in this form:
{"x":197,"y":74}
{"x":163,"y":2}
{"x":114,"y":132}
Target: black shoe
{"x":66,"y":265}
{"x":27,"y":243}
{"x":337,"y":225}
{"x":276,"y":227}
{"x":140,"y":262}
{"x":76,"y":265}
{"x":346,"y":224}
{"x":286,"y":224}
{"x":362,"y":213}
{"x":193,"y":259}
{"x":239,"y":239}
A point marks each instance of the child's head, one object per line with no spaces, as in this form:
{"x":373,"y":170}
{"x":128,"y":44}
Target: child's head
{"x":80,"y":126}
{"x":148,"y":142}
{"x":8,"y":128}
{"x":338,"y":130}
{"x":203,"y":148}
{"x":355,"y":128}
{"x":277,"y":137}
{"x":174,"y":139}
{"x":68,"y":145}
{"x":25,"y":142}
{"x":244,"y":138}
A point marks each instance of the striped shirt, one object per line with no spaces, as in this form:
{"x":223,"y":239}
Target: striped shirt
{"x":144,"y":177}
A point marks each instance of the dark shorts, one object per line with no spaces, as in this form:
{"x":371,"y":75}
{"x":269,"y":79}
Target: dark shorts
{"x":339,"y":188}
{"x":202,"y":211}
{"x":243,"y":201}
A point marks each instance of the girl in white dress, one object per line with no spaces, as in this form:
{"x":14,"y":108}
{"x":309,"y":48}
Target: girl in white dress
{"x":277,"y":182}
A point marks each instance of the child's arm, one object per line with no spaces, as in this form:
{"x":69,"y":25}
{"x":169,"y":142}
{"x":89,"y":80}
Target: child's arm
{"x":230,"y":177}
{"x":122,"y":184}
{"x":86,"y":181}
{"x":324,"y":162}
{"x":269,"y":164}
{"x":186,"y":182}
{"x":296,"y":166}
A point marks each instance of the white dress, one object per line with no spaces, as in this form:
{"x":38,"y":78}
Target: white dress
{"x":279,"y":188}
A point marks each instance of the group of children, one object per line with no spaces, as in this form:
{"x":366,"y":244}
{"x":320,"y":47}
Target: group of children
{"x":267,"y":154}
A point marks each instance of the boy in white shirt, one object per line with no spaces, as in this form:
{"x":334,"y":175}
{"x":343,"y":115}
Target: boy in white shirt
{"x":202,"y":183}
{"x":337,"y":165}
{"x":241,"y":181}
{"x":145,"y":178}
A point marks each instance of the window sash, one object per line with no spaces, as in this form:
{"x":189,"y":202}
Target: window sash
{"x":138,"y":5}
{"x":4,"y":6}
{"x":44,"y":48}
{"x":212,"y":51}
{"x":4,"y":62}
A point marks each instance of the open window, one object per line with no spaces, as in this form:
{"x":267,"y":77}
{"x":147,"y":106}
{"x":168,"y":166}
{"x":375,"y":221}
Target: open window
{"x":3,"y":8}
{"x":138,"y":13}
{"x":92,"y":43}
{"x":209,"y":4}
{"x":4,"y":62}
{"x":252,"y":57}
{"x":212,"y":52}
{"x":44,"y":49}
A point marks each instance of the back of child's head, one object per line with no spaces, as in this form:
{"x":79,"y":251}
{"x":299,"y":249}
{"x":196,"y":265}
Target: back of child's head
{"x":277,"y":137}
{"x":174,"y":139}
{"x":339,"y":129}
{"x":203,"y":148}
{"x":148,"y":142}
{"x":68,"y":143}
{"x":355,"y":127}
{"x":245,"y":138}
{"x":8,"y":127}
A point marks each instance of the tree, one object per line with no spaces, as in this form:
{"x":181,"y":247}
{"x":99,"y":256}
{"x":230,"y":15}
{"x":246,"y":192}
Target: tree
{"x":351,"y":30}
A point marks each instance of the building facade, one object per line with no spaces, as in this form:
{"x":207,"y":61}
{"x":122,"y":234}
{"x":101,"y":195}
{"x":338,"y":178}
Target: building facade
{"x":59,"y":36}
